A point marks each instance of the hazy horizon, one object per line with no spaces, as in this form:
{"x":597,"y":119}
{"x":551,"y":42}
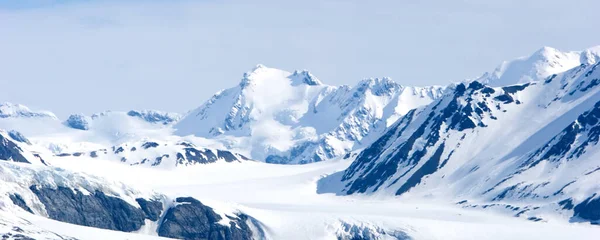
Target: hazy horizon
{"x":91,"y":56}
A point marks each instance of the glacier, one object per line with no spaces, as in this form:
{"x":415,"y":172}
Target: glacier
{"x":282,"y":155}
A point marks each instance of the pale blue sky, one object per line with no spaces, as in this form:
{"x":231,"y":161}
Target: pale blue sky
{"x":87,"y":56}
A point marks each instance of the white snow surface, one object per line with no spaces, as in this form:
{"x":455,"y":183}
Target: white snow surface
{"x":284,"y":199}
{"x":11,"y":110}
{"x":538,"y":66}
{"x":297,"y":118}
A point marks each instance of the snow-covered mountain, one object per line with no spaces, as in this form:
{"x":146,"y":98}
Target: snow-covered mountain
{"x":527,"y":148}
{"x":283,"y":117}
{"x":166,"y":154}
{"x":11,"y":110}
{"x":540,"y":65}
{"x":453,"y":162}
{"x":83,"y":122}
{"x":116,"y":136}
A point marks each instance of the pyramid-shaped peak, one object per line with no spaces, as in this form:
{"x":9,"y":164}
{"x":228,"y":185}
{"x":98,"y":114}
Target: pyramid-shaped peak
{"x":304,"y":76}
{"x":546,"y":51}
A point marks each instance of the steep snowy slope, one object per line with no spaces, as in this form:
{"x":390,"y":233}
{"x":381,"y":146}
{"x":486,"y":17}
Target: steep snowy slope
{"x":15,"y":147}
{"x":283,"y":117}
{"x":542,"y":64}
{"x":526,"y":148}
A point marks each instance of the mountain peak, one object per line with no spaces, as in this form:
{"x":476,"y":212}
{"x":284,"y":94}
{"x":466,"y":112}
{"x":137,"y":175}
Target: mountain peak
{"x":305,"y":77}
{"x":254,"y":74}
{"x":546,"y":52}
{"x":543,"y":63}
{"x":591,"y":55}
{"x":379,"y":86}
{"x":265,"y":75}
{"x":258,"y":67}
{"x":11,"y":110}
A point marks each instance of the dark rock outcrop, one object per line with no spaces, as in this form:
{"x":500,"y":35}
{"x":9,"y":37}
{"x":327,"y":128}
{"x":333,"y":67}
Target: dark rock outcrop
{"x":78,"y":121}
{"x":19,"y":137}
{"x":588,"y":210}
{"x":152,"y":209}
{"x":191,"y":219}
{"x":154,"y":116}
{"x":10,"y":151}
{"x":147,"y":145}
{"x":93,"y":210}
{"x":18,"y":200}
{"x":350,"y":231}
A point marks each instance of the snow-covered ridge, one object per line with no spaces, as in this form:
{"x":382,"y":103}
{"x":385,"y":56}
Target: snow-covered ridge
{"x":83,"y":122}
{"x":282,"y":117}
{"x":162,"y":154}
{"x":529,"y":148}
{"x":540,"y":65}
{"x":526,"y":150}
{"x":11,"y":110}
{"x":153,"y":116}
{"x":16,"y":148}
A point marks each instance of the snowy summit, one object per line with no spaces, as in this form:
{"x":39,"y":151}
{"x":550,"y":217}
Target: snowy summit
{"x":283,"y":155}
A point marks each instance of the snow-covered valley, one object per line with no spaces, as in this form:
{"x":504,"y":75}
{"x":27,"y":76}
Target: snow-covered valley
{"x":284,"y":199}
{"x":508,"y":155}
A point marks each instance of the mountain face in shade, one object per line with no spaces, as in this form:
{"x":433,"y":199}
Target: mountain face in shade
{"x":530,"y":146}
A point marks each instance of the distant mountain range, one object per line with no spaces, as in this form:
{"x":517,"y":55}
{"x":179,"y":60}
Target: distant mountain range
{"x":520,"y":140}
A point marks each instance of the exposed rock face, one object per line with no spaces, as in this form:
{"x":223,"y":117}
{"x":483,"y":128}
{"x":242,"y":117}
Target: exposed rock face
{"x":19,"y":137}
{"x":93,"y":210}
{"x":163,"y":153}
{"x":16,"y":236}
{"x":152,"y":209}
{"x":191,"y":219}
{"x":152,"y":116}
{"x":322,"y":121}
{"x":588,"y":210}
{"x":18,"y":200}
{"x":78,"y":121}
{"x":348,"y":231}
{"x":10,"y":151}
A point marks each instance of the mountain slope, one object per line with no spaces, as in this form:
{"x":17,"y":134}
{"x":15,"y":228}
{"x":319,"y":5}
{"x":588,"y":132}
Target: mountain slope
{"x":540,"y":65}
{"x":87,"y":200}
{"x":524,"y":147}
{"x":10,"y":110}
{"x":163,"y":154}
{"x":283,"y":117}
